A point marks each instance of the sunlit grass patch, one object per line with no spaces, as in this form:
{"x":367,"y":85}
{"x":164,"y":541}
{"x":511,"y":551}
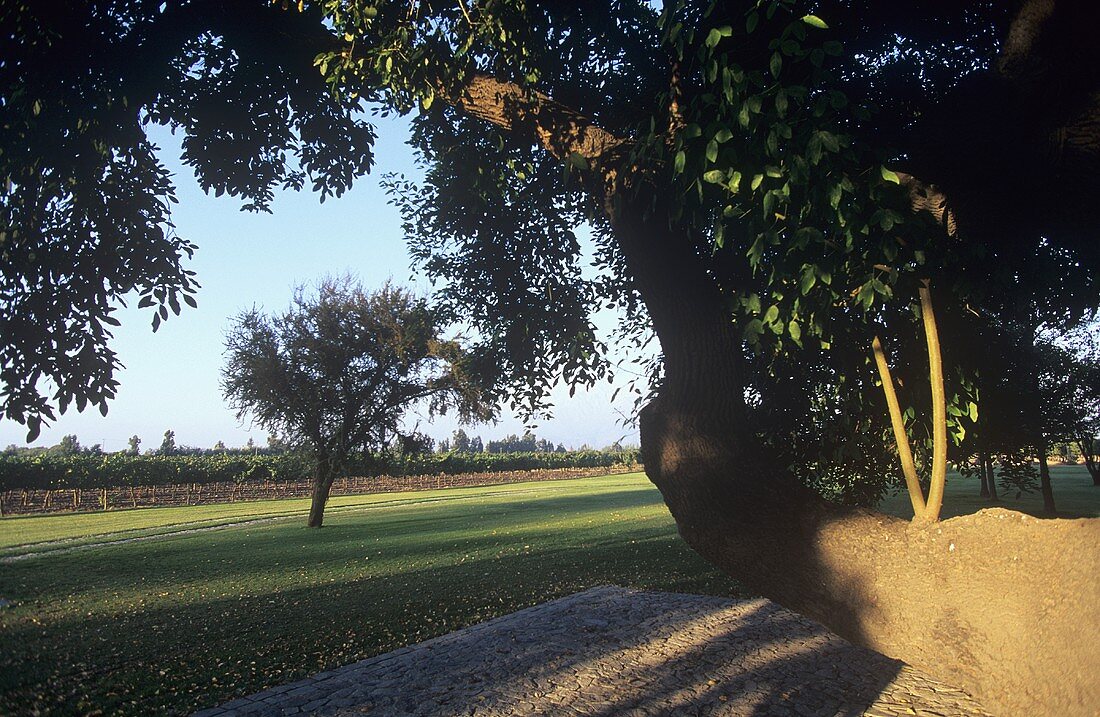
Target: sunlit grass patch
{"x":1074,"y":496}
{"x":189,"y":620}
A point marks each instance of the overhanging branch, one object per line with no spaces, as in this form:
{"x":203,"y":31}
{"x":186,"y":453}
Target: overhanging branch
{"x":558,"y":129}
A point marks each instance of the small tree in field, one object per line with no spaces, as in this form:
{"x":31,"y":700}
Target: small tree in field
{"x":336,"y":372}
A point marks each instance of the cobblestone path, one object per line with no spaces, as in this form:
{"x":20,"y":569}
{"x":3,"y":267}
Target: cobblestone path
{"x":610,"y":651}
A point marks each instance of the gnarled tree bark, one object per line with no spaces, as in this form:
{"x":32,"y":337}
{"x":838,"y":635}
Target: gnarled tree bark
{"x":970,"y":599}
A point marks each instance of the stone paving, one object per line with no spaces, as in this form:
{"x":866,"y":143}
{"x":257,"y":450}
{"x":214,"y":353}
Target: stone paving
{"x":610,"y":651}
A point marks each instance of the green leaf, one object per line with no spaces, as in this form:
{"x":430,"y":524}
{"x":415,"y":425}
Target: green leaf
{"x":835,"y":193}
{"x":756,"y":180}
{"x":678,"y":162}
{"x":889,"y":176}
{"x":808,"y":281}
{"x":743,"y":116}
{"x":692,"y":131}
{"x":751,"y":22}
{"x":735,"y":182}
{"x":714,"y":176}
{"x":771,"y":314}
{"x":781,"y":102}
{"x":795,"y":331}
{"x":578,"y":161}
{"x":712,"y":151}
{"x":776,"y":64}
{"x":723,"y":135}
{"x":815,"y":21}
{"x":713,"y":37}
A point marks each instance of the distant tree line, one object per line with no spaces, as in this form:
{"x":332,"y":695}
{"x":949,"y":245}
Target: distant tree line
{"x":461,"y":442}
{"x":412,"y":444}
{"x":70,"y":445}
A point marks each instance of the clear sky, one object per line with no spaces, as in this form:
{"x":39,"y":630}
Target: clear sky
{"x":170,"y":379}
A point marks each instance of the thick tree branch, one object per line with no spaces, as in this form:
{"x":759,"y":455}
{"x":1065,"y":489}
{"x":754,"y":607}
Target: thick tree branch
{"x":558,"y":129}
{"x":929,"y":198}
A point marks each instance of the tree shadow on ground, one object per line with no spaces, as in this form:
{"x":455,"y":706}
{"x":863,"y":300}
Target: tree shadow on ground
{"x":752,"y":658}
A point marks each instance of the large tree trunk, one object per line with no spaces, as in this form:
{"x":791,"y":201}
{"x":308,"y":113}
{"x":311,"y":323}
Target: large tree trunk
{"x":998,"y":603}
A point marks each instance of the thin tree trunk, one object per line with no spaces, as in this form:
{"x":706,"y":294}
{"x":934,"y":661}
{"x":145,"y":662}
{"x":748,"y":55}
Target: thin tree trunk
{"x":322,"y":484}
{"x":992,"y":479}
{"x":320,"y":493}
{"x":901,"y":439}
{"x":1044,"y":481}
{"x":939,"y":408}
{"x":983,"y":461}
{"x":1085,"y":445}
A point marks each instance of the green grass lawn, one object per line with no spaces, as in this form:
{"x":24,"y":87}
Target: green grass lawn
{"x":1074,"y":496}
{"x":183,"y":621}
{"x":186,"y":621}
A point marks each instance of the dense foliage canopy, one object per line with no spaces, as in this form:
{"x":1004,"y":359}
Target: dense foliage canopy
{"x":339,"y":370}
{"x":782,"y":148}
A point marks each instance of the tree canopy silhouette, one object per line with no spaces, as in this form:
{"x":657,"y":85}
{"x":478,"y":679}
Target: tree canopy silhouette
{"x":770,"y":186}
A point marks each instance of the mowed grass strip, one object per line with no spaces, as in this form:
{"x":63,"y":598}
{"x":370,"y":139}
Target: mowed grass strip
{"x":188,"y":621}
{"x":22,"y":534}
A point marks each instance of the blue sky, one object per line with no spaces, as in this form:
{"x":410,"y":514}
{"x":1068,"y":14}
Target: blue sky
{"x":170,"y":380}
